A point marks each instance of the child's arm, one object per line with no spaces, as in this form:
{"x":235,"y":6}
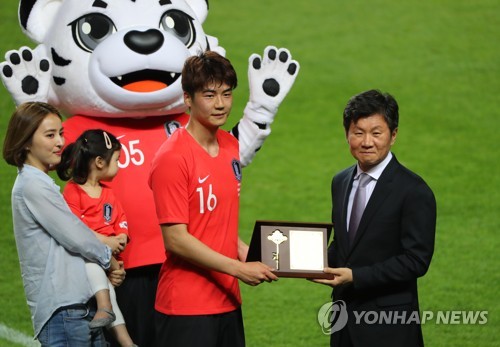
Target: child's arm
{"x":114,"y":265}
{"x":116,"y":273}
{"x":52,"y":212}
{"x":121,"y":225}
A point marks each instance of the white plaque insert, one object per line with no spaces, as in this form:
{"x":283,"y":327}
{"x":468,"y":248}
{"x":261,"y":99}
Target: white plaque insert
{"x":306,"y":250}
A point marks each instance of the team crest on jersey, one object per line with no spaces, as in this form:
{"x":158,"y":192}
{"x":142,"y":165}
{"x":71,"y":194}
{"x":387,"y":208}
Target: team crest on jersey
{"x":171,"y":127}
{"x":236,"y":169}
{"x":107,"y":212}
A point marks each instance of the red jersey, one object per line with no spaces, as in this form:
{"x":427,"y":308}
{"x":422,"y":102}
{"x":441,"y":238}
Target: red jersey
{"x":104,"y":214}
{"x":191,"y":187}
{"x":140,"y":139}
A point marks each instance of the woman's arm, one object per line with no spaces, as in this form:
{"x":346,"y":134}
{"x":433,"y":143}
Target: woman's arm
{"x":49,"y":208}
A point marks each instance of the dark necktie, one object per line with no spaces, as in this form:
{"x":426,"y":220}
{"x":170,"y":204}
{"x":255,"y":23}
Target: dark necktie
{"x":358,"y":205}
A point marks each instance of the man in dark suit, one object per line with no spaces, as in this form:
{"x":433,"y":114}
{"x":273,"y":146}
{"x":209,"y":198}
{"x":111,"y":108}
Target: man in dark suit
{"x":375,"y":260}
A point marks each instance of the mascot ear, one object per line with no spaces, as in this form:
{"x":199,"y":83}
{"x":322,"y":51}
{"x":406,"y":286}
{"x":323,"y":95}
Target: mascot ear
{"x":36,"y":17}
{"x":200,"y":7}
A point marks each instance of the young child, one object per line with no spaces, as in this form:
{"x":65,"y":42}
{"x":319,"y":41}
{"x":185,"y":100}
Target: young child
{"x":87,"y":163}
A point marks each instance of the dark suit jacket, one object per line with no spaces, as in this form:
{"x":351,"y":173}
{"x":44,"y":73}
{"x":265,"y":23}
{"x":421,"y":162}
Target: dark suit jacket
{"x":393,"y":247}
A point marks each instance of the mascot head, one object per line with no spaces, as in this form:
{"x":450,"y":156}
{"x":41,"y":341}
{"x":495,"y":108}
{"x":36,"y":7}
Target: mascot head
{"x":117,"y":58}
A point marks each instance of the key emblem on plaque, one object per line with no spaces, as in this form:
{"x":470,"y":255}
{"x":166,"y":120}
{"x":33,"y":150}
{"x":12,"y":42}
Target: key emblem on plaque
{"x":277,"y":237}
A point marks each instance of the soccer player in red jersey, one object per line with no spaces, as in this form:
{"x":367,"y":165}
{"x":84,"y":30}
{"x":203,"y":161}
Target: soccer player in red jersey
{"x":195,"y":179}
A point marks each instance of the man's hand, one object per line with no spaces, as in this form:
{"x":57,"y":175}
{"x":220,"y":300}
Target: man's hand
{"x":117,"y":273}
{"x":340,"y":276}
{"x":254,"y":273}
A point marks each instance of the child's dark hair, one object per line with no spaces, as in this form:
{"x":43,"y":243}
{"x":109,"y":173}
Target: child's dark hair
{"x":77,"y":156}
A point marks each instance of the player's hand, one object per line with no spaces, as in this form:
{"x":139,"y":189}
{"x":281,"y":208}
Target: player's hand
{"x":254,"y":273}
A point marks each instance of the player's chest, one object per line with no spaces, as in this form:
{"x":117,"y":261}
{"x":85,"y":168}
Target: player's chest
{"x":216,"y":181}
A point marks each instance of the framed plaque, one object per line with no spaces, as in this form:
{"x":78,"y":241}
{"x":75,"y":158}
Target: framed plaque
{"x":292,"y":249}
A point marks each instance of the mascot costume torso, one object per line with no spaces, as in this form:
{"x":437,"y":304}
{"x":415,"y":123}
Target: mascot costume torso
{"x":116,"y":65}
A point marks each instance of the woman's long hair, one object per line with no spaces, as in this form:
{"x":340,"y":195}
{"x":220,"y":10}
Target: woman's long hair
{"x":22,"y":125}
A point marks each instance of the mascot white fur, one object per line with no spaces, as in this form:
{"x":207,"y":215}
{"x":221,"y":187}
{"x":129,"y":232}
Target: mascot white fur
{"x":115,"y":65}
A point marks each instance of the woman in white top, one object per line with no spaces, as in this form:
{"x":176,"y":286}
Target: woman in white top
{"x":52,"y":243}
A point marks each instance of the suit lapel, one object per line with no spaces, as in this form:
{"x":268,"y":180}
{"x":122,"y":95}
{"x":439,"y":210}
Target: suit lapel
{"x":382,"y":190}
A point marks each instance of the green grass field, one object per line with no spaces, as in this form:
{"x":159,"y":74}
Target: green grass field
{"x":439,"y":59}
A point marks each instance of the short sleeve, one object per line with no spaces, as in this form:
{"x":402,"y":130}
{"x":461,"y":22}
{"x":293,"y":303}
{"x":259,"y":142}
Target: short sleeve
{"x":169,"y":181}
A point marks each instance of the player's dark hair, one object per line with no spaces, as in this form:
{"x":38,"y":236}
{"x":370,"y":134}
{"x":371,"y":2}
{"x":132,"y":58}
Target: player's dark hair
{"x":207,"y":68}
{"x":370,"y":103}
{"x":77,"y":156}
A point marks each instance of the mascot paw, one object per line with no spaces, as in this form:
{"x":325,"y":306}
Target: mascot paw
{"x":26,"y":75}
{"x":213,"y":44}
{"x":270,"y":78}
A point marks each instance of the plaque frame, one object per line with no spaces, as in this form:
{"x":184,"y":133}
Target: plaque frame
{"x":264,"y":250}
